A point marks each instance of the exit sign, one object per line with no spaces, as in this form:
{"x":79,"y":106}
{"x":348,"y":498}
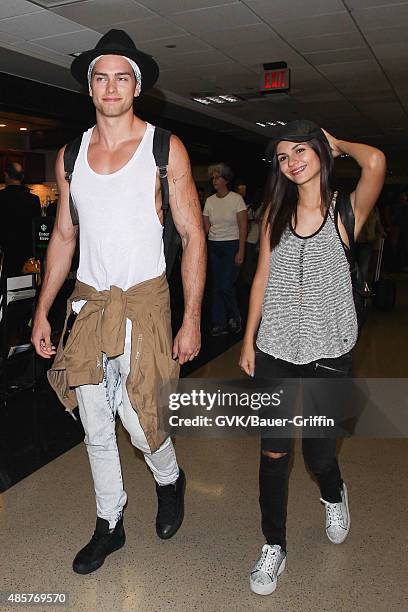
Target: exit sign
{"x":277,"y":79}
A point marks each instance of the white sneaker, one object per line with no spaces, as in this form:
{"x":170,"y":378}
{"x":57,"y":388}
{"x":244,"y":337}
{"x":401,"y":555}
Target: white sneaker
{"x":270,"y":565}
{"x":338,"y":518}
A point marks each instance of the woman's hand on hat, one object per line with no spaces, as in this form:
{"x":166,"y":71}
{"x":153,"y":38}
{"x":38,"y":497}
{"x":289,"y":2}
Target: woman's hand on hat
{"x":334,"y":144}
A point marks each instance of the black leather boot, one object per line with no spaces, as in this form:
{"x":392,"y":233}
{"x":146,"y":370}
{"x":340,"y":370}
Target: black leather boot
{"x":102,"y":543}
{"x":170,"y":511}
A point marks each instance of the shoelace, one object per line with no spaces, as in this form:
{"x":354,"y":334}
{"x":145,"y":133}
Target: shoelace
{"x":334,"y":514}
{"x":266,"y":563}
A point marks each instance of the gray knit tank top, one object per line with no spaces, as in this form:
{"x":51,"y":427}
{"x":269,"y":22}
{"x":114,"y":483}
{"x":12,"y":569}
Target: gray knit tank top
{"x":308,"y":310}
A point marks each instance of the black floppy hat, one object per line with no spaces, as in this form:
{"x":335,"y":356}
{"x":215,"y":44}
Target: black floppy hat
{"x":300,"y":130}
{"x":116,"y":42}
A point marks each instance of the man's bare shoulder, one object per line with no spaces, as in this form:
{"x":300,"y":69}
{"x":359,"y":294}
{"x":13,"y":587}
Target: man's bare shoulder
{"x":59,"y":161}
{"x":178,"y":151}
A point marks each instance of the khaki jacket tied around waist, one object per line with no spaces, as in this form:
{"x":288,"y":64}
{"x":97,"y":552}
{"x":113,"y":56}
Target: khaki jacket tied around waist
{"x":100,"y":327}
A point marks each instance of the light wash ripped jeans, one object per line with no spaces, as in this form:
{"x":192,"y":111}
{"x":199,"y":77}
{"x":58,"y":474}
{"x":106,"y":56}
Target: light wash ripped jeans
{"x":98,"y":405}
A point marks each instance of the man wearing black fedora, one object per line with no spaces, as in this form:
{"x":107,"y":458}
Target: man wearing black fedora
{"x":116,"y":347}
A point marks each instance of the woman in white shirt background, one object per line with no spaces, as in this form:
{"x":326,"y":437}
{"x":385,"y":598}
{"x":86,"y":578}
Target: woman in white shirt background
{"x":226,"y":223}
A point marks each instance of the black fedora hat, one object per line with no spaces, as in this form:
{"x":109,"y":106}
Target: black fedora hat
{"x":116,"y":42}
{"x":300,"y":130}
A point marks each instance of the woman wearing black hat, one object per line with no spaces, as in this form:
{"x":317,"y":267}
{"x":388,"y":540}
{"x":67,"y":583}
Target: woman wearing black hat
{"x":302,"y":302}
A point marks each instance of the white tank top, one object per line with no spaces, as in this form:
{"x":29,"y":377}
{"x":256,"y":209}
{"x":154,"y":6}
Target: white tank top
{"x":120,"y":237}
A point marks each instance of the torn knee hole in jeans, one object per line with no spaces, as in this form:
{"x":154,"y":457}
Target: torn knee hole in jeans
{"x":270,"y":454}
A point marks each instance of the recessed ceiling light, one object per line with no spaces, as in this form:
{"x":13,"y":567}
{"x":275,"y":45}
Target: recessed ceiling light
{"x":216,"y":99}
{"x":3,"y":124}
{"x":202,"y":100}
{"x":23,"y":129}
{"x":211,"y":98}
{"x":230,"y":98}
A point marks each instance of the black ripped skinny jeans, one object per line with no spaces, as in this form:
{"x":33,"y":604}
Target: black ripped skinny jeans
{"x":319,"y":453}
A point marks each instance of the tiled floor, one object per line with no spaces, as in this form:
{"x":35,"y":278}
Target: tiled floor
{"x":48,"y":516}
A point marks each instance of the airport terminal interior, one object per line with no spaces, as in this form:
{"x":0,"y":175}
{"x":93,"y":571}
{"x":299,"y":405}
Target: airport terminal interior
{"x":232,"y":73}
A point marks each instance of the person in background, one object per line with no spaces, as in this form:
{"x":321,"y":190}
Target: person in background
{"x":252,"y":241}
{"x":17,"y":208}
{"x":226,"y":223}
{"x":241,"y":188}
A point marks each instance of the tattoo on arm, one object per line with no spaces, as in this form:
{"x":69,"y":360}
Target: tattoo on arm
{"x":189,"y":223}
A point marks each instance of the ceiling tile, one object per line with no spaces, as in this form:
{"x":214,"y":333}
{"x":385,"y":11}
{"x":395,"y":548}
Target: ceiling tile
{"x":383,"y":111}
{"x":149,"y":29}
{"x":339,"y":56}
{"x":183,"y":44}
{"x":361,"y":72}
{"x":260,"y":53}
{"x":335,"y":23}
{"x":361,"y":4}
{"x":13,"y":8}
{"x":34,"y":25}
{"x":226,"y":68}
{"x":279,"y":10}
{"x":93,"y":13}
{"x":395,"y":52}
{"x":384,"y":94}
{"x":177,"y":6}
{"x":353,"y":87}
{"x":329,"y":42}
{"x":25,"y":66}
{"x":215,"y":18}
{"x":44,"y":53}
{"x":384,"y":36}
{"x":185,"y":86}
{"x":239,"y":83}
{"x":311,"y":96}
{"x":214,"y":74}
{"x":9,"y":38}
{"x":382,"y":16}
{"x":306,"y":71}
{"x":195,"y":59}
{"x":396,"y":72}
{"x":228,"y":37}
{"x":73,"y":42}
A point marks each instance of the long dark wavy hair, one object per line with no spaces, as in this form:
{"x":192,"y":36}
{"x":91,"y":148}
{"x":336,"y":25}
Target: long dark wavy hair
{"x":281,"y":194}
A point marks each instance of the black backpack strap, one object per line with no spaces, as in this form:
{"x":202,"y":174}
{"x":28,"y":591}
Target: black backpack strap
{"x":171,"y":239}
{"x":161,"y":150}
{"x":70,"y":156}
{"x":344,"y":208}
